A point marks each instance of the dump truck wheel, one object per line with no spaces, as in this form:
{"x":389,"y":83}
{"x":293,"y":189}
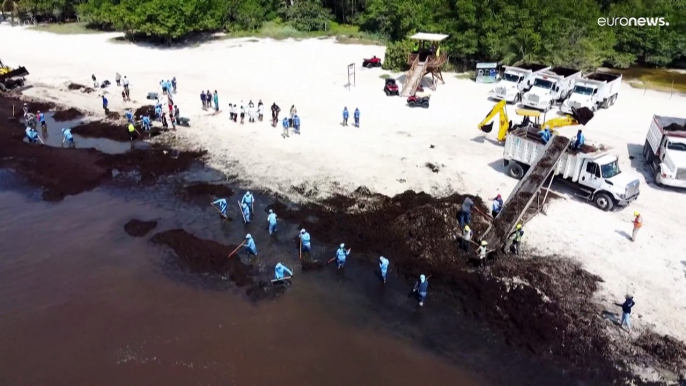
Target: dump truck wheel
{"x":613,"y":99}
{"x":515,"y":170}
{"x":603,"y":201}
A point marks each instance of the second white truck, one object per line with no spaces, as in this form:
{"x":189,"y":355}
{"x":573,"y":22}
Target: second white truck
{"x":551,"y":87}
{"x":665,"y":150}
{"x":594,"y":174}
{"x":594,"y":91}
{"x":515,"y":81}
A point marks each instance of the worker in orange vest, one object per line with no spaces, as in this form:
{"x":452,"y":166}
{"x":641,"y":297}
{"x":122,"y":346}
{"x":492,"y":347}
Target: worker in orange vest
{"x":638,"y":222}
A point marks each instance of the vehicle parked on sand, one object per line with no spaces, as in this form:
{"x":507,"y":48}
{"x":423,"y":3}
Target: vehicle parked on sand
{"x":665,"y":150}
{"x":594,"y":91}
{"x":391,"y":87}
{"x":419,"y":99}
{"x":372,"y":62}
{"x":516,"y":80}
{"x":551,"y":87}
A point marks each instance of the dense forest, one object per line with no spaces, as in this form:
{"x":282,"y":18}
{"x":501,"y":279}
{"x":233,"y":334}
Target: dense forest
{"x":558,"y":32}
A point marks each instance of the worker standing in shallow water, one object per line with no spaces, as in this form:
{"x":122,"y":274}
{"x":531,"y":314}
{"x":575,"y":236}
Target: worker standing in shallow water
{"x":250,"y":247}
{"x":248,"y":199}
{"x":345,"y":116}
{"x":516,"y":239}
{"x":305,"y":240}
{"x":421,"y":287}
{"x":356,"y":115}
{"x":271,"y":219}
{"x":341,"y":255}
{"x":222,"y":206}
{"x":467,"y":235}
{"x":638,"y":223}
{"x":41,"y":119}
{"x":496,"y":206}
{"x":246,"y":213}
{"x":465,"y":216}
{"x":383,"y":266}
{"x":280,"y":270}
{"x":31,"y":135}
{"x":68,"y":138}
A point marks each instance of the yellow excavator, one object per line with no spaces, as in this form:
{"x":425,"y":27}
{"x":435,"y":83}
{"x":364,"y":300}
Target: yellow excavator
{"x":531,"y":118}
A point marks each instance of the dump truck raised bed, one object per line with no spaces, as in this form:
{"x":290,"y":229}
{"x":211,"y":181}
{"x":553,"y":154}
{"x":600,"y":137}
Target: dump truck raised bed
{"x":665,"y":150}
{"x":594,"y":91}
{"x":592,"y":172}
{"x":551,"y":87}
{"x":516,"y":81}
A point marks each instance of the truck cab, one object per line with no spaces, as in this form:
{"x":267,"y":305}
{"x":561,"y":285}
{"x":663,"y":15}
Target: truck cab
{"x":665,"y":150}
{"x":515,"y":81}
{"x":603,"y":182}
{"x":595,"y":91}
{"x":543,"y":93}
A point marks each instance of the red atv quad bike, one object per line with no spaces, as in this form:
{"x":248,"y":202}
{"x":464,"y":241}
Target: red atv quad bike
{"x":371,"y":63}
{"x":391,"y":88}
{"x":414,"y":101}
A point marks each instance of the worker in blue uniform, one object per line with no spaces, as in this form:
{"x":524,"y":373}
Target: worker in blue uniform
{"x":280,"y":270}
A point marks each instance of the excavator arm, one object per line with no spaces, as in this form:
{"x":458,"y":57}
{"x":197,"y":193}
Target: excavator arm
{"x":500,"y":110}
{"x":579,"y":117}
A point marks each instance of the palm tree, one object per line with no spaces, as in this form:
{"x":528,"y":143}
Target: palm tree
{"x":522,"y":48}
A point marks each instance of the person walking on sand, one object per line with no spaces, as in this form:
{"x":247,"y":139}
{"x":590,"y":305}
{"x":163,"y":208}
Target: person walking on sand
{"x":356,"y":115}
{"x":285,"y":128}
{"x":296,"y":124}
{"x":117,"y":78}
{"x":383,"y":267}
{"x":125,"y":82}
{"x":421,"y":287}
{"x":275,"y":114}
{"x":626,"y":311}
{"x":203,"y":98}
{"x":345,"y":116}
{"x":230,"y":112}
{"x":215,"y":98}
{"x":271,"y":219}
{"x":173,"y":82}
{"x":105,"y":102}
{"x":638,"y":223}
{"x":242,"y":113}
{"x":293,"y":112}
{"x":252,"y":112}
{"x":95,"y":81}
{"x":177,"y":115}
{"x":279,"y":271}
{"x":260,"y":110}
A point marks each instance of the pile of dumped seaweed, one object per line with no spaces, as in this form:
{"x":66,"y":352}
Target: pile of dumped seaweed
{"x":80,"y":87}
{"x":139,"y":228}
{"x":102,"y":129}
{"x":205,"y":256}
{"x":148,"y":110}
{"x":69,"y":114}
{"x":154,"y":162}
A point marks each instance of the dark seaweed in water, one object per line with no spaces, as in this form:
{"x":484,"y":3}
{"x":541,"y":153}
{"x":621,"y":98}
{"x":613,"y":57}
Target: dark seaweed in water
{"x":154,"y":161}
{"x":67,"y":115}
{"x":210,"y":190}
{"x":138,"y":228}
{"x":102,"y":129}
{"x":205,"y":256}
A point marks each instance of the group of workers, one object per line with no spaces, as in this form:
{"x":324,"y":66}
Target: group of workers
{"x":280,"y":270}
{"x":577,"y":142}
{"x":254,"y":113}
{"x":208,"y":99}
{"x":356,"y":116}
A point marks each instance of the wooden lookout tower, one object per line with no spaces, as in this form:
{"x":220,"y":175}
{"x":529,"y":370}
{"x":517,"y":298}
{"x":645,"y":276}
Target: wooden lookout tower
{"x":426,"y":58}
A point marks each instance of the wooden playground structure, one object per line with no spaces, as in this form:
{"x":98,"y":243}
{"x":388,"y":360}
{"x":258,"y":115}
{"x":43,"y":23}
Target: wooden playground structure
{"x":426,"y":59}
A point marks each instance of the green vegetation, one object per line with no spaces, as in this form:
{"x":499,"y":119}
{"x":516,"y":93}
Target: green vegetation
{"x":65,"y":28}
{"x":655,"y":79}
{"x":509,"y":31}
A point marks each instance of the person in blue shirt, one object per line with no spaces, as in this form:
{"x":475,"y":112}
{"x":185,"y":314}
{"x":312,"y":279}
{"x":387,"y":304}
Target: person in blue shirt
{"x":215,"y":98}
{"x":41,"y":119}
{"x":356,"y":115}
{"x":383,"y":266}
{"x":496,"y":206}
{"x":271,"y":219}
{"x":246,"y":213}
{"x":341,"y":255}
{"x":250,"y":247}
{"x":545,"y":135}
{"x":345,"y":116}
{"x":68,"y":137}
{"x":578,"y":141}
{"x":248,"y":199}
{"x":158,"y":111}
{"x":31,"y":135}
{"x":285,"y":127}
{"x":626,"y":311}
{"x":279,"y":271}
{"x":421,"y":288}
{"x":221,"y":203}
{"x":105,"y":103}
{"x":129,"y":115}
{"x":305,"y":240}
{"x":146,"y":123}
{"x":296,"y":124}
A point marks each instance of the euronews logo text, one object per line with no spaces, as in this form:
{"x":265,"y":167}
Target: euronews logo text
{"x":632,"y":22}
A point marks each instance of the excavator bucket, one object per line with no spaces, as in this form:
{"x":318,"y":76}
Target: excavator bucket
{"x":487,"y":128}
{"x":582,"y":115}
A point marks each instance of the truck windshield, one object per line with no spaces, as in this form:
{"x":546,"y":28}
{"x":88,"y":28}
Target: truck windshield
{"x":610,"y":170}
{"x":511,"y":78}
{"x":583,"y":90}
{"x":542,"y":83}
{"x":676,"y":146}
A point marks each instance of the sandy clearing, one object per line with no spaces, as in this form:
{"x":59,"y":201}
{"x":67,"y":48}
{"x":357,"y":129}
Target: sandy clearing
{"x":392,"y":145}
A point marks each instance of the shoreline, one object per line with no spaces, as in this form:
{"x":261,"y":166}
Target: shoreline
{"x":537,"y":287}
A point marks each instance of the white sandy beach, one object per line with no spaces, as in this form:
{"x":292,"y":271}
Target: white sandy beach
{"x":389,"y":152}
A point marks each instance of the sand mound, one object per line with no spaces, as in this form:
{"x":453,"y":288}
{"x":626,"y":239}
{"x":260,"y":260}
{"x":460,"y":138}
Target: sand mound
{"x":67,"y":115}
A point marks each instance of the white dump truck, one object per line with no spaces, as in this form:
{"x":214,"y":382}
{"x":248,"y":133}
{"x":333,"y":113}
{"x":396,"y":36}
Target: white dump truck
{"x":551,"y":87}
{"x":515,"y":81}
{"x":592,"y":172}
{"x":594,"y":91}
{"x":665,"y":150}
